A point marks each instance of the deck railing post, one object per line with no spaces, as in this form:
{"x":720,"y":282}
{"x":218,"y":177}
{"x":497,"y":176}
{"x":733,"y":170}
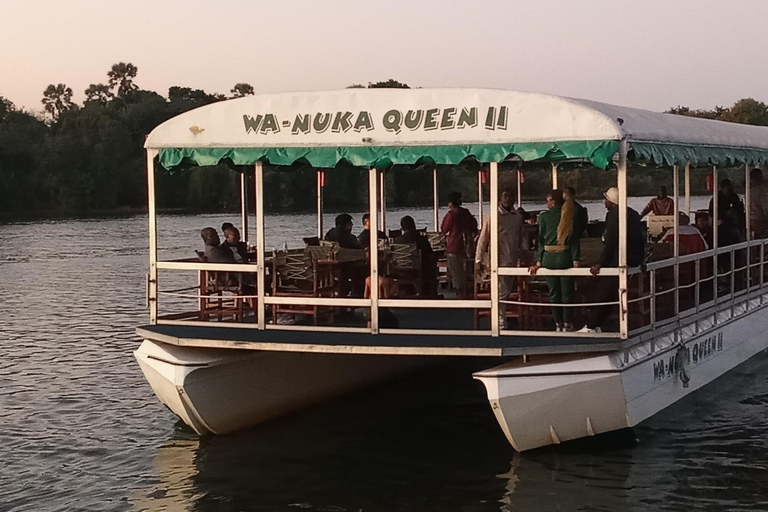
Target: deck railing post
{"x":747,"y":202}
{"x":676,"y":232}
{"x":320,"y":204}
{"x":622,"y":186}
{"x":435,"y":199}
{"x":554,"y":175}
{"x":261,"y":307}
{"x":480,"y":195}
{"x":715,"y":217}
{"x":383,"y":200}
{"x":688,"y":188}
{"x":152,"y":213}
{"x":373,"y":246}
{"x":244,"y":206}
{"x":494,"y":249}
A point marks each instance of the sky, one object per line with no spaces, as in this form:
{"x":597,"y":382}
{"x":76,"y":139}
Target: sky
{"x":652,"y":54}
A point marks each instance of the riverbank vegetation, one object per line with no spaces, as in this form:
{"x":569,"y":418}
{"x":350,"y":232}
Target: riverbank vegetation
{"x":88,"y":157}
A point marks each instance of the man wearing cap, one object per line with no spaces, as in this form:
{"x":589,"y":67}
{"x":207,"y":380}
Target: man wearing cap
{"x":460,"y":227}
{"x":606,"y":288}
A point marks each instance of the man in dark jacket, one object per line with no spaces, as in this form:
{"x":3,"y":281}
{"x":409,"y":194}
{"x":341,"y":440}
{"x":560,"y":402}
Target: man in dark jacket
{"x":342,"y":233}
{"x":365,"y":235}
{"x":606,"y":288}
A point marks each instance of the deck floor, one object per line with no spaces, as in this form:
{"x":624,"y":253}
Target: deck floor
{"x":217,"y":336}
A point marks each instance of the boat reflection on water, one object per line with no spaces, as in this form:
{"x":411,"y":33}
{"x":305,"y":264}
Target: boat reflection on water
{"x":427,"y":443}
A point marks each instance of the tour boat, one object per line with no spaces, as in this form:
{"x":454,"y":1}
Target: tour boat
{"x":227,"y":360}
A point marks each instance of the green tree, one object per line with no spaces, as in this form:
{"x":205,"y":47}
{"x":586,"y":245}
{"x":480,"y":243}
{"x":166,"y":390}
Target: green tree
{"x":6,"y":107}
{"x":748,"y":111}
{"x":388,"y":84}
{"x":57,"y":99}
{"x":121,"y":77}
{"x":241,"y":89}
{"x":98,"y":93}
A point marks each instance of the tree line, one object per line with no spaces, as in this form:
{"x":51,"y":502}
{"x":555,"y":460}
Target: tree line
{"x":79,"y":158}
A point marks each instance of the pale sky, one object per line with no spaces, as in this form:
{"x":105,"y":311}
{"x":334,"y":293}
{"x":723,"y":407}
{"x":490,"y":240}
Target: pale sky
{"x":651,"y":54}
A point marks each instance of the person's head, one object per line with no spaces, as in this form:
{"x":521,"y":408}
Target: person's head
{"x":454,"y":200}
{"x":366,"y":221}
{"x":726,"y":186}
{"x":344,"y":220}
{"x":507,"y":198}
{"x":611,"y":198}
{"x":663,"y":192}
{"x":571,"y":192}
{"x":407,"y":224}
{"x":756,"y":176}
{"x":554,"y":198}
{"x":226,"y":226}
{"x":683,"y":219}
{"x":210,"y":236}
{"x":703,"y":222}
{"x":232,"y":234}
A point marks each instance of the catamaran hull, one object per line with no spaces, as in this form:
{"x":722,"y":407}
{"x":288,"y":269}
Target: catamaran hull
{"x":560,"y":399}
{"x":223,"y":390}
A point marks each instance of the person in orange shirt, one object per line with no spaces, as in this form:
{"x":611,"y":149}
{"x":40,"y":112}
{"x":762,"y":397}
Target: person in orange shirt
{"x":660,"y":205}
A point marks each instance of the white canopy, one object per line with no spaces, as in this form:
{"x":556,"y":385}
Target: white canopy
{"x":369,"y":125}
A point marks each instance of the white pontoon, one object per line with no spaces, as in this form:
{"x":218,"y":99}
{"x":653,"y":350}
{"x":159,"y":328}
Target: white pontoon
{"x":682,"y":321}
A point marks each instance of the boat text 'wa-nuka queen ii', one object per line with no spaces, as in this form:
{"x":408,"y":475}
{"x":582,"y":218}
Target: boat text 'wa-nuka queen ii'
{"x":233,"y":343}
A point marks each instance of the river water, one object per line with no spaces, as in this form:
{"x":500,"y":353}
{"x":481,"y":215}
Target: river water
{"x":81,"y":430}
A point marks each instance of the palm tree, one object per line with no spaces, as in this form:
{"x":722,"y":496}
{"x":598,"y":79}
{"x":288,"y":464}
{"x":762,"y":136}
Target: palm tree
{"x":98,"y":93}
{"x":121,"y":76}
{"x":241,"y":90}
{"x":57,"y":99}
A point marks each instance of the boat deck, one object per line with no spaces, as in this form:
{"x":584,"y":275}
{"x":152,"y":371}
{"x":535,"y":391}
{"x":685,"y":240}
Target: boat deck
{"x":378,"y":344}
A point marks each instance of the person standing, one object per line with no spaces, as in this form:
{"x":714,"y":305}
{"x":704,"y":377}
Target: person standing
{"x":580,"y":221}
{"x":660,"y":205}
{"x":510,"y":233}
{"x":460,"y":227}
{"x":758,"y":204}
{"x":556,"y":251}
{"x":727,"y":200}
{"x":606,"y":289}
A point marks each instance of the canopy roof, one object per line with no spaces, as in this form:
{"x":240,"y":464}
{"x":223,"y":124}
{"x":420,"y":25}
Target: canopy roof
{"x":379,"y":127}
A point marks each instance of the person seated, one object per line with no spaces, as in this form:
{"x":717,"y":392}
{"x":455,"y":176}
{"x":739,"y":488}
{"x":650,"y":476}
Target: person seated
{"x":365,"y":235}
{"x":342,"y":233}
{"x":232,"y":242}
{"x":704,"y":225}
{"x":660,"y":205}
{"x":691,"y":240}
{"x":428,"y":262}
{"x":214,"y":252}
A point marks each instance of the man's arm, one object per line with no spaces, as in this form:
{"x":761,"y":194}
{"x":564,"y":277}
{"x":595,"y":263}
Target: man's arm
{"x":611,"y":242}
{"x":447,"y":223}
{"x":648,"y":209}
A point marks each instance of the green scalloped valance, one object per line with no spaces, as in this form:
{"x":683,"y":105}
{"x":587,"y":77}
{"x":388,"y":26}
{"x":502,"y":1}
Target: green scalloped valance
{"x":599,"y":152}
{"x":663,"y":153}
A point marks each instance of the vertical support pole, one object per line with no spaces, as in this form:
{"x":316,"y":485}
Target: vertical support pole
{"x":688,"y":188}
{"x":320,"y":204}
{"x":494,"y":249}
{"x":715,"y":226}
{"x":260,"y":248}
{"x":519,"y":188}
{"x":676,"y":232}
{"x":622,"y":186}
{"x":435,"y":199}
{"x":382,"y":202}
{"x":554,"y":175}
{"x":373,"y":248}
{"x":747,"y":203}
{"x":480,"y":195}
{"x":244,"y":206}
{"x":152,"y":212}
